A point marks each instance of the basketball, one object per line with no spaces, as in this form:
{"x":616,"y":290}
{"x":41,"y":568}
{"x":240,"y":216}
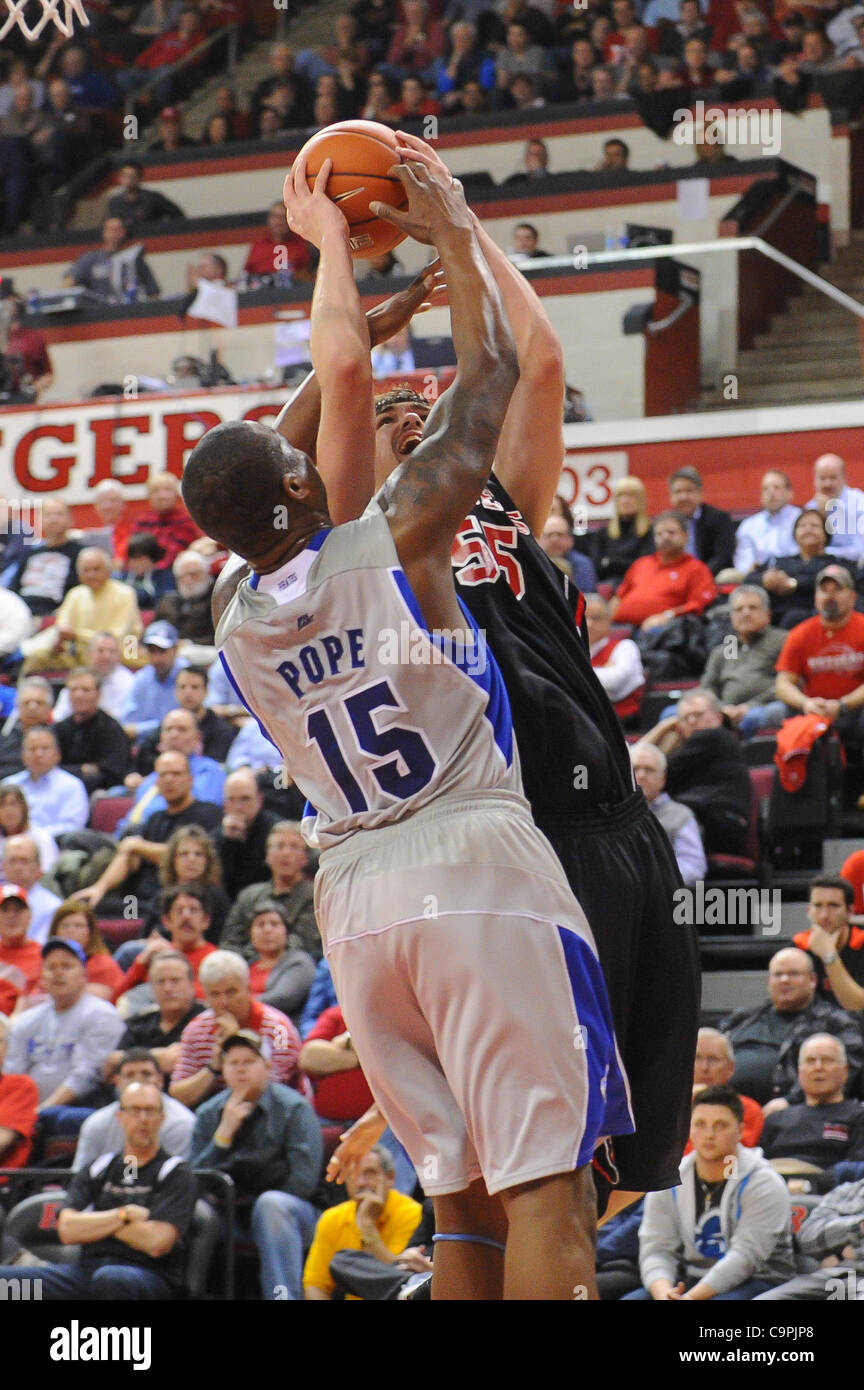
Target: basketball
{"x":362,"y":153}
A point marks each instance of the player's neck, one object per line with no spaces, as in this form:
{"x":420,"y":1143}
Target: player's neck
{"x":291,"y":544}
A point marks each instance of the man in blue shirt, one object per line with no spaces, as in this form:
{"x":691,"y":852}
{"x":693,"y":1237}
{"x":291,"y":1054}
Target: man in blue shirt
{"x":179,"y":734}
{"x":768,"y":534}
{"x":152,"y":695}
{"x":842,"y":506}
{"x":57,"y":801}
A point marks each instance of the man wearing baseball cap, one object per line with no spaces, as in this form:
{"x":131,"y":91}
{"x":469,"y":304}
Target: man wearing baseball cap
{"x":267,"y":1137}
{"x":64,"y":1042}
{"x":20,"y":959}
{"x":821,"y":667}
{"x":152,"y":694}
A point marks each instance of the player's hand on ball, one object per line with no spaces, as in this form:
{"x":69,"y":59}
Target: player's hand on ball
{"x":311,"y":214}
{"x":434,"y":208}
{"x":397,"y":312}
{"x":411,"y":147}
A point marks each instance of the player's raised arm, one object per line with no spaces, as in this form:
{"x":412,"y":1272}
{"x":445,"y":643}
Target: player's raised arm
{"x":426,"y":498}
{"x":338,"y":345}
{"x":530,"y":452}
{"x":300,"y":417}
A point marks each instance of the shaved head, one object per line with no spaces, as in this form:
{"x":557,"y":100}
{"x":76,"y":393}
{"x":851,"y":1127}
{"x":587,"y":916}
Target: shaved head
{"x":234,"y":486}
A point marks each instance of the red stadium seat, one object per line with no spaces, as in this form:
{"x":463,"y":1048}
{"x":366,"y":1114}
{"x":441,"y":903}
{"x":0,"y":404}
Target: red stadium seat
{"x":116,"y":930}
{"x":107,"y":811}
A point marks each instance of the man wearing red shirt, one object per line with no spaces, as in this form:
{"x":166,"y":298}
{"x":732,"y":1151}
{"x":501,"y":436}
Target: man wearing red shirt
{"x":662,"y":586}
{"x":166,"y":518}
{"x":169,"y":48}
{"x":19,"y":1097}
{"x":278,"y":249}
{"x":20,"y":959}
{"x":821,"y":667}
{"x":327,"y":1055}
{"x":186,"y":914}
{"x":29,"y":347}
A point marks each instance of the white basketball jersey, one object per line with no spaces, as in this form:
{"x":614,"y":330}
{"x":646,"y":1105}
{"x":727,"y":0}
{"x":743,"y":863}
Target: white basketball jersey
{"x":374,"y":715}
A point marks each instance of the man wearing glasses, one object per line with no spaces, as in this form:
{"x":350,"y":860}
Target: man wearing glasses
{"x":767,"y":1039}
{"x":129,"y":1211}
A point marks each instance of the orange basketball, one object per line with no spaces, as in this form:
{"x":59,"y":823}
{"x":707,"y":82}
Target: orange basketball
{"x":362,"y":152}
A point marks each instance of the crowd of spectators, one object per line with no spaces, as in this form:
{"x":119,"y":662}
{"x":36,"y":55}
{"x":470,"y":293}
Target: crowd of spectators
{"x":211,"y":1021}
{"x":398,"y":61}
{"x":761,"y":623}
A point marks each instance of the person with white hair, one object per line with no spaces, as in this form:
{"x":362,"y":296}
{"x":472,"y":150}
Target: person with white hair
{"x":615,"y":658}
{"x":188,"y":609}
{"x":741,"y":672}
{"x":22,"y":866}
{"x":679,"y":822}
{"x":166,"y":518}
{"x":97,"y":603}
{"x":714,"y":1065}
{"x":224,"y":976}
{"x":115,"y":527}
{"x":104,"y":659}
{"x":706,"y":770}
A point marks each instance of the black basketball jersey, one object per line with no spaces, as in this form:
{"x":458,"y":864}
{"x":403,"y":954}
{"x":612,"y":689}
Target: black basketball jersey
{"x":573,"y":752}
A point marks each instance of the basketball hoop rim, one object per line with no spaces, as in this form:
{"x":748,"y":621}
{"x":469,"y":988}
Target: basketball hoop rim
{"x":15,"y":10}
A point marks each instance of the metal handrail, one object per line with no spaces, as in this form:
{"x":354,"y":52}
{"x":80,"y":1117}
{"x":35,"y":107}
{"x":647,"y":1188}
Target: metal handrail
{"x":693,"y":248}
{"x":215,"y":1175}
{"x":195,"y":56}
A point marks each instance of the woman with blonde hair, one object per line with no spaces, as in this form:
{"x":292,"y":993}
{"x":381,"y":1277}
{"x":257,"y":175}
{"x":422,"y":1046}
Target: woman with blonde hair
{"x":627,"y":536}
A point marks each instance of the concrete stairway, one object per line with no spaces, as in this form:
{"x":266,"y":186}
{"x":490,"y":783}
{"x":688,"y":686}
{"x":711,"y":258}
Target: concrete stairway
{"x":812,"y":353}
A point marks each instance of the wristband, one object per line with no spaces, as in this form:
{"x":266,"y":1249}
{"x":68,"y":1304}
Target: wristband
{"x":830,"y":958}
{"x":221,"y":1143}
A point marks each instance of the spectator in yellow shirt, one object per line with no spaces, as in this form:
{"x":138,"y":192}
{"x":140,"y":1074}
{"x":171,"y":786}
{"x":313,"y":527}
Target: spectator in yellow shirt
{"x":377,"y":1219}
{"x":97,"y":603}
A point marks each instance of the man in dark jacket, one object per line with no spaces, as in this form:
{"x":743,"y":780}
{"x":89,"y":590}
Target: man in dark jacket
{"x":268,"y":1139}
{"x":93,"y":746}
{"x":136,"y":205}
{"x":707,"y":772}
{"x":241,"y":840}
{"x":767,"y":1039}
{"x":711,"y":532}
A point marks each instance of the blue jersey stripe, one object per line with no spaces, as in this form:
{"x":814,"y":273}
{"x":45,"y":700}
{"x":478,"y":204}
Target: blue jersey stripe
{"x":488,"y":677}
{"x":608,"y":1107}
{"x":319,"y":538}
{"x":245,"y":703}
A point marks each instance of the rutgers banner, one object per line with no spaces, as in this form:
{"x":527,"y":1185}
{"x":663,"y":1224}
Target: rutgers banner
{"x":69,"y":449}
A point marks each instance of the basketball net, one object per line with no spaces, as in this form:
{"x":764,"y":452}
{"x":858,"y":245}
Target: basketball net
{"x":74,"y":9}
